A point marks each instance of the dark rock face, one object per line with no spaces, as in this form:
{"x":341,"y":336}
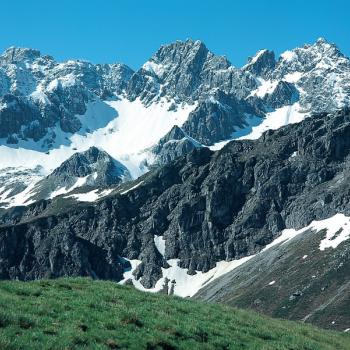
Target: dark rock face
{"x":217,"y":117}
{"x":212,"y":206}
{"x":283,"y":95}
{"x":97,"y":166}
{"x":261,"y":64}
{"x":15,"y":112}
{"x":53,"y":251}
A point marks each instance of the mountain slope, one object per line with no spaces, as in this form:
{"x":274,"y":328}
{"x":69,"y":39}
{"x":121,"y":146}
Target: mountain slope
{"x":182,"y":220}
{"x":78,"y":313}
{"x":304,"y":277}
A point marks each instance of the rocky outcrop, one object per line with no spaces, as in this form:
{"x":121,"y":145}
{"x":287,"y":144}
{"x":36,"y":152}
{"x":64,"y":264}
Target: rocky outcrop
{"x":217,"y":117}
{"x":94,"y":168}
{"x":105,"y":170}
{"x":174,"y":144}
{"x":284,"y":94}
{"x":53,"y":251}
{"x":262,"y":64}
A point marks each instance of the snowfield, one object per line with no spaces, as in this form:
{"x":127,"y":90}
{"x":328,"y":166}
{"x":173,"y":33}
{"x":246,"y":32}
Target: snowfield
{"x":124,"y":129}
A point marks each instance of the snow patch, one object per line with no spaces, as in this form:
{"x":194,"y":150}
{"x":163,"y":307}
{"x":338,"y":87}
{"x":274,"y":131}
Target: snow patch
{"x":256,"y":126}
{"x":288,"y":56}
{"x":22,"y":198}
{"x":272,"y":283}
{"x":266,"y":87}
{"x":275,"y":120}
{"x":124,"y":129}
{"x":91,"y":196}
{"x":293,"y":77}
{"x":81,"y":181}
{"x":159,"y":242}
{"x":185,"y":285}
{"x":338,"y":230}
{"x":153,"y":67}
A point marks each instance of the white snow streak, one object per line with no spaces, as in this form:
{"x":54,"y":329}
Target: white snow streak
{"x":91,"y":196}
{"x":132,"y":188}
{"x":159,"y":242}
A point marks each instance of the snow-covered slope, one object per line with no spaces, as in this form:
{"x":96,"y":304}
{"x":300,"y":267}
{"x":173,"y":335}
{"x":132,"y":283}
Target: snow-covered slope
{"x":302,"y":275}
{"x":124,"y":129}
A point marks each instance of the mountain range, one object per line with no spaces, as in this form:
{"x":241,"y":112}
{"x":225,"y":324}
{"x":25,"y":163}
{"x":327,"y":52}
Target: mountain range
{"x":188,"y":176}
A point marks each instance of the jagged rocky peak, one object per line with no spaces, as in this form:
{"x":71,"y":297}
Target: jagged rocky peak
{"x":176,"y":133}
{"x":94,"y":161}
{"x":262,"y":63}
{"x":18,"y":54}
{"x":326,"y":46}
{"x":191,"y":55}
{"x":322,"y":54}
{"x":93,"y":168}
{"x":182,"y":71}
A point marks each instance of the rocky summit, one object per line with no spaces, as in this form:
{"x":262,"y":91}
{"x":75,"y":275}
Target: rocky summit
{"x":188,"y":176}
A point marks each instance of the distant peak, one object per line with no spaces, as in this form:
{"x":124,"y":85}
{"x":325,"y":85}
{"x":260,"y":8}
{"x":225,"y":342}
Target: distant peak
{"x":184,"y":44}
{"x":327,"y":47}
{"x":186,"y":53}
{"x":18,"y":54}
{"x":322,"y":40}
{"x":325,"y":44}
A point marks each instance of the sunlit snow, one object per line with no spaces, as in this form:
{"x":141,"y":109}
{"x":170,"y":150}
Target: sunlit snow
{"x":124,"y":129}
{"x":91,"y":196}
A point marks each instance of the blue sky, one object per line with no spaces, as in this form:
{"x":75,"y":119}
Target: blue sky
{"x":130,"y":31}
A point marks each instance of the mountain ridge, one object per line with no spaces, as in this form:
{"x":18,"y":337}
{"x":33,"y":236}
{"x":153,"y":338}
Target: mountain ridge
{"x":63,"y":108}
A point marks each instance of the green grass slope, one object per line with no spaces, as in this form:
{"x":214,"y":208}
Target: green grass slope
{"x":85,"y":314}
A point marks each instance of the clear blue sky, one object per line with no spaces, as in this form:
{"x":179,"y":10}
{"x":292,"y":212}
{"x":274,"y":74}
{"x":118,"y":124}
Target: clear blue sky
{"x":130,"y":31}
